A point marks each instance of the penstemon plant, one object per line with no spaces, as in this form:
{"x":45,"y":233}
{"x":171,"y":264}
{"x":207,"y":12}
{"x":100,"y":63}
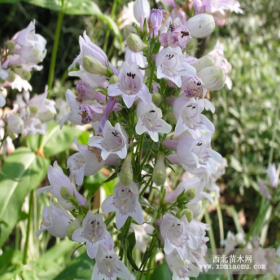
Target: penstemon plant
{"x":147,"y":117}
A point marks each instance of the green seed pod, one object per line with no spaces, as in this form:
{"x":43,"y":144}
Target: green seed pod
{"x":170,"y":117}
{"x":114,"y":79}
{"x":11,"y":77}
{"x":66,"y":194}
{"x":157,"y":98}
{"x":159,"y":173}
{"x":187,"y":212}
{"x":135,"y":43}
{"x":128,"y":29}
{"x":93,"y":66}
{"x":73,"y":226}
{"x":205,"y":61}
{"x":10,"y":45}
{"x":24,"y":74}
{"x":126,"y":174}
{"x":187,"y":196}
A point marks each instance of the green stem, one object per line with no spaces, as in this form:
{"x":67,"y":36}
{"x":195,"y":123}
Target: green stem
{"x":147,"y":154}
{"x":28,"y":227}
{"x":210,"y":232}
{"x":55,"y":48}
{"x":151,"y":77}
{"x":146,"y":186}
{"x":220,"y":218}
{"x":124,"y":236}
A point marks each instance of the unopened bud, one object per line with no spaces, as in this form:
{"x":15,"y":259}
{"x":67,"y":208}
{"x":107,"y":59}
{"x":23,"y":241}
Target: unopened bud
{"x":201,"y":25}
{"x":10,"y":45}
{"x":135,"y":43}
{"x":141,"y":10}
{"x":157,"y":98}
{"x":114,"y":79}
{"x":66,"y":194}
{"x":15,"y":124}
{"x":33,"y":110}
{"x":126,"y":174}
{"x":187,"y":195}
{"x":212,"y":77}
{"x":186,"y":212}
{"x":159,"y":173}
{"x":170,"y":117}
{"x":24,"y":74}
{"x":73,"y":226}
{"x":203,"y":62}
{"x":11,"y":77}
{"x":128,"y":29}
{"x":93,"y":66}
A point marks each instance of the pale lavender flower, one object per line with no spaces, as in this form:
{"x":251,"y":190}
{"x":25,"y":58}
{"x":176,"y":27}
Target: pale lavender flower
{"x":178,"y":12}
{"x":141,"y":11}
{"x":156,"y":18}
{"x":113,"y":141}
{"x":193,"y":87}
{"x":136,"y":57}
{"x":196,"y":155}
{"x":171,"y":65}
{"x":55,"y":221}
{"x":150,"y":120}
{"x":84,"y":163}
{"x":177,"y":36}
{"x":91,"y":50}
{"x":59,"y":180}
{"x":130,"y":86}
{"x":264,"y":189}
{"x":85,"y":93}
{"x":189,"y":118}
{"x":93,"y":232}
{"x":181,"y":269}
{"x":125,"y":203}
{"x":186,"y":185}
{"x":273,"y":175}
{"x":29,"y":50}
{"x":108,"y":266}
{"x":174,"y":235}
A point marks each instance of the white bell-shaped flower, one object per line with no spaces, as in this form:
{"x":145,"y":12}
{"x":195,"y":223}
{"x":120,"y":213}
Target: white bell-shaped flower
{"x":113,"y":141}
{"x":150,"y":120}
{"x":125,"y":203}
{"x":171,"y":65}
{"x":94,"y":233}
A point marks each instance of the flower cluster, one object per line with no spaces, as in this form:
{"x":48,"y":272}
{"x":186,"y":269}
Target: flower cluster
{"x":18,"y":58}
{"x":156,"y":98}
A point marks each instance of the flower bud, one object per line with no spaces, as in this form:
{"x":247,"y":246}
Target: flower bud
{"x":187,"y":195}
{"x":15,"y":124}
{"x":114,"y":79}
{"x":157,"y":98}
{"x":73,"y":226}
{"x":93,"y":66}
{"x":141,"y":10}
{"x":126,"y":174}
{"x":33,"y":110}
{"x":135,"y":43}
{"x":11,"y":77}
{"x":66,"y":194}
{"x":170,"y":117}
{"x":186,"y":212}
{"x":205,"y":61}
{"x":24,"y":74}
{"x":10,"y":45}
{"x":212,"y":77}
{"x":201,"y":25}
{"x":159,"y":173}
{"x":128,"y":29}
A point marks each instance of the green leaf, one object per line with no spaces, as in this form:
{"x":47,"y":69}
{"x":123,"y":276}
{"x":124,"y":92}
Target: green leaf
{"x":79,"y":268}
{"x":77,"y":7}
{"x":131,"y":242}
{"x":22,"y":172}
{"x":162,"y":272}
